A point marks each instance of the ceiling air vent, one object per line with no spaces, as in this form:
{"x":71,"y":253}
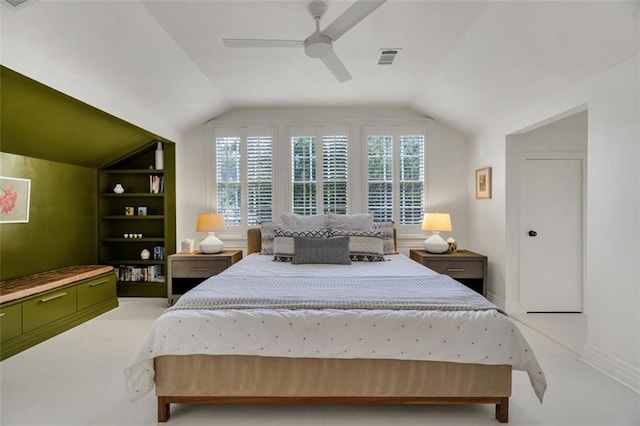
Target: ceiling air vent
{"x":387,"y":56}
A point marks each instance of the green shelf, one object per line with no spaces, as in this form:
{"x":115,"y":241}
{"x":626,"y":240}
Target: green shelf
{"x":133,"y":217}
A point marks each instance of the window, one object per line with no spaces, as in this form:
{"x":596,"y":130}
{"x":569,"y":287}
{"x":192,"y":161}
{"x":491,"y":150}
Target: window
{"x":259,"y":171}
{"x":380,"y":177}
{"x":259,"y":194}
{"x":228,"y":179}
{"x":411,"y":179}
{"x":244,"y":175}
{"x":303,"y":165}
{"x":395,"y":174}
{"x":319,"y":171}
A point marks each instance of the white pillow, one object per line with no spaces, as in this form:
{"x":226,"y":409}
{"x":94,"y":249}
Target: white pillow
{"x":350,"y":222}
{"x":299,"y":222}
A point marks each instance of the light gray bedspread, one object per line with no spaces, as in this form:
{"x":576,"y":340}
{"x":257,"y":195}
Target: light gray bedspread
{"x":437,"y":292}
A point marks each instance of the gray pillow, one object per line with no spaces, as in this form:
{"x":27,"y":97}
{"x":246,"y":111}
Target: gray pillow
{"x":321,"y":250}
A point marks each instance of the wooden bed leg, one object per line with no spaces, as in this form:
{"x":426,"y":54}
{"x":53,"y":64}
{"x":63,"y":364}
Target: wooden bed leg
{"x":502,"y":410}
{"x":163,"y":410}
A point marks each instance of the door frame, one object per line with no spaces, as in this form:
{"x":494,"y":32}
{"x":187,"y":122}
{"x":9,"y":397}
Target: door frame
{"x":551,"y":155}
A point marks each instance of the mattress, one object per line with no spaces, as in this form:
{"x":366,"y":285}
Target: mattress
{"x":485,"y":336}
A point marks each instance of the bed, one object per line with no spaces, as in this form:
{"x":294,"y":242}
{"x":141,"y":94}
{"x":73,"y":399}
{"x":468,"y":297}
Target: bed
{"x":360,"y":352}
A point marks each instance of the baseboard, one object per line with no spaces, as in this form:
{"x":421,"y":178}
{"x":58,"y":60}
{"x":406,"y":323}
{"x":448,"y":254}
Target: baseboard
{"x":613,"y":367}
{"x":496,"y":300}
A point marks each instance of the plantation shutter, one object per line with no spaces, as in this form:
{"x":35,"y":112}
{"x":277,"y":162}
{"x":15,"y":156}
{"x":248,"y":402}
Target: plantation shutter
{"x":411,"y":179}
{"x":319,"y":171}
{"x":396,"y":173}
{"x":259,"y":180}
{"x":228,"y":178}
{"x":334,"y":174}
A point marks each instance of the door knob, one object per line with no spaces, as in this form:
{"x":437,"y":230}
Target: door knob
{"x":532,"y":233}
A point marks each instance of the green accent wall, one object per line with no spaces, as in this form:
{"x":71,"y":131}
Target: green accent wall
{"x":62,"y":227}
{"x":40,"y":122}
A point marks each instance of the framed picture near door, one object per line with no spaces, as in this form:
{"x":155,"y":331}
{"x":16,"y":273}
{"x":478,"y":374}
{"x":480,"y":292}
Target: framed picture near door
{"x":483,"y":183}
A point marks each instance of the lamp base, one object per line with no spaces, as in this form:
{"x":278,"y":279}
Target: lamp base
{"x":211,"y":244}
{"x":435,"y":243}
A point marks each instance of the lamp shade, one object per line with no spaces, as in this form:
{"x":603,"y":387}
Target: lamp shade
{"x":440,"y":222}
{"x":210,"y":222}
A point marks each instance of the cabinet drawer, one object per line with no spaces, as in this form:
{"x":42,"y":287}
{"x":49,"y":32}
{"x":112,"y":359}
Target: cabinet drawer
{"x":10,"y":321}
{"x":47,"y":307}
{"x":457,"y":268}
{"x":96,"y":290}
{"x":197,"y":268}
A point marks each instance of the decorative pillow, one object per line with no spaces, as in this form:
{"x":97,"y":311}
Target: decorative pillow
{"x":303,"y":222}
{"x":350,"y":222}
{"x":283,"y":243}
{"x":321,"y":250}
{"x":363,"y":245}
{"x":267,"y":232}
{"x":387,"y":235}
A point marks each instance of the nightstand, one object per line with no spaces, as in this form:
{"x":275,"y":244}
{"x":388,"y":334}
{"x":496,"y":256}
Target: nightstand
{"x":187,"y":270}
{"x":464,"y":266}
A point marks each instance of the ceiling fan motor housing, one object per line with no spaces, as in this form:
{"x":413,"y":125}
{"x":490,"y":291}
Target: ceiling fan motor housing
{"x":318,"y":45}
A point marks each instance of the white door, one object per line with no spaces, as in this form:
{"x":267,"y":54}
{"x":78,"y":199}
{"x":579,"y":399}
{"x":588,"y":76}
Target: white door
{"x":551,"y":235}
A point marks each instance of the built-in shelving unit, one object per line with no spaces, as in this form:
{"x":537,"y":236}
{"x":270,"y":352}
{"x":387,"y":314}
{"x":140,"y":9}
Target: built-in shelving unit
{"x":137,"y":219}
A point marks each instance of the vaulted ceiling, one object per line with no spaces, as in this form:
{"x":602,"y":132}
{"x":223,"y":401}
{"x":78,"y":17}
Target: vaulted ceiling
{"x":467,"y":64}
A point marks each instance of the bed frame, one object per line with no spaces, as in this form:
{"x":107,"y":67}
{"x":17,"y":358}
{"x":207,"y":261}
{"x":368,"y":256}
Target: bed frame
{"x":238,"y":379}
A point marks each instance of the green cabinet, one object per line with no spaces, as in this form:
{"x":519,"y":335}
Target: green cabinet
{"x":10,"y":321}
{"x":95,"y":291}
{"x":142,"y":218}
{"x":48,"y":307}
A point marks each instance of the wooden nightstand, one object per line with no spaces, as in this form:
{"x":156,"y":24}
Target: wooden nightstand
{"x":464,"y":266}
{"x":187,"y":270}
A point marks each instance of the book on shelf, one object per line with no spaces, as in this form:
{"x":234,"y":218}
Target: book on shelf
{"x":156,"y":184}
{"x":130,"y":273}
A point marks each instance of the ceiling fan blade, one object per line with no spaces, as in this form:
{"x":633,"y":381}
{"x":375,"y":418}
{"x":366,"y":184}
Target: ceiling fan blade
{"x":356,"y":13}
{"x":336,"y":67}
{"x":250,"y":42}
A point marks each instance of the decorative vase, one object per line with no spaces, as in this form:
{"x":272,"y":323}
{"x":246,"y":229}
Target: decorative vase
{"x":159,"y":157}
{"x":453,"y":245}
{"x":118,"y":189}
{"x":145,"y":254}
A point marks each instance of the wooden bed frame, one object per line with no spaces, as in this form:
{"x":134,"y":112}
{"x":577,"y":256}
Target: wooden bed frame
{"x":236,"y":379}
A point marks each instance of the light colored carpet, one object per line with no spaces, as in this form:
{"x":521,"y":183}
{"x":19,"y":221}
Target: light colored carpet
{"x":77,"y":378}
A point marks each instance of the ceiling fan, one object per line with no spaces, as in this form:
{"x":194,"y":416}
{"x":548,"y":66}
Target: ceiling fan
{"x":320,"y":43}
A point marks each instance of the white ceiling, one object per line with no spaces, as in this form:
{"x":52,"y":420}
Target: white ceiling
{"x":467,"y":64}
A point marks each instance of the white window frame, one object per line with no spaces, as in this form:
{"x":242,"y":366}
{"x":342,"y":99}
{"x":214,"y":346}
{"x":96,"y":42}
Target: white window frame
{"x":395,"y":131}
{"x":243,"y":132}
{"x":318,"y":132}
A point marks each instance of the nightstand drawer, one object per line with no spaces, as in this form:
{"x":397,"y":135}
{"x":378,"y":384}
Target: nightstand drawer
{"x":197,"y":268}
{"x":457,"y":268}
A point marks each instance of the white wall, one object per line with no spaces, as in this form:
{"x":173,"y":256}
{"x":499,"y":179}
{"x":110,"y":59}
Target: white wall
{"x":446,"y":163}
{"x":612,"y":293}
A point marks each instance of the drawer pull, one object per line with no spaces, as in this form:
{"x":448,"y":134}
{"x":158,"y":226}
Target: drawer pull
{"x":455,"y":269}
{"x":2,"y":314}
{"x":54,"y":297}
{"x":199,"y":269}
{"x":98,"y":283}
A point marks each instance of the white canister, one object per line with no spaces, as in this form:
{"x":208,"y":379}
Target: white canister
{"x":118,"y":189}
{"x":145,"y":254}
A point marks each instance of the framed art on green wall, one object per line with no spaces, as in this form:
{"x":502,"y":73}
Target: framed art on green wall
{"x":14,"y":199}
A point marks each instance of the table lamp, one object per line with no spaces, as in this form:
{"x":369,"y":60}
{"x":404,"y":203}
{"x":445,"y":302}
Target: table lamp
{"x":436,"y":222}
{"x":211,"y":222}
